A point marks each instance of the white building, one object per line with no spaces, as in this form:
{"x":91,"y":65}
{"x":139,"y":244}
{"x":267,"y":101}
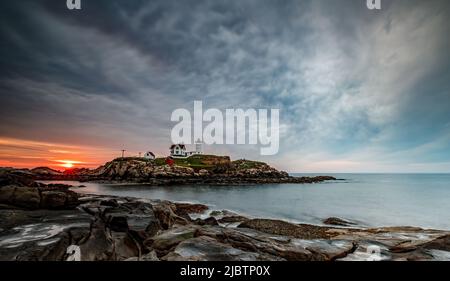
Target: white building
{"x":149,"y":155}
{"x":179,"y":150}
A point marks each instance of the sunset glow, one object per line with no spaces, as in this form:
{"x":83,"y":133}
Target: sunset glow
{"x":30,"y":154}
{"x":69,"y":163}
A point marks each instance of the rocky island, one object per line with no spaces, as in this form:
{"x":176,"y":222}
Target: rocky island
{"x":197,"y":169}
{"x":40,"y":222}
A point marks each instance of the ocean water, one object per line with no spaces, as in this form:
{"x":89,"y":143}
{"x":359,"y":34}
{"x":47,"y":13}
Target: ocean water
{"x":371,"y":200}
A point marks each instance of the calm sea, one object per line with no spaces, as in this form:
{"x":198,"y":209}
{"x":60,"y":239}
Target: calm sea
{"x":421,"y":200}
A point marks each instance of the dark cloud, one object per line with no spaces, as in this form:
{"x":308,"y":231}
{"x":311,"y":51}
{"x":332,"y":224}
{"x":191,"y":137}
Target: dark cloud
{"x":351,"y":83}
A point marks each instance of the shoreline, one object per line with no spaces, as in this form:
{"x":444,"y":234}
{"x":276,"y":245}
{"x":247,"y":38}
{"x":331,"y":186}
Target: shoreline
{"x":352,"y":223}
{"x":315,"y":220}
{"x":51,"y":222}
{"x":168,"y":230}
{"x":194,"y":180}
{"x":211,"y":209}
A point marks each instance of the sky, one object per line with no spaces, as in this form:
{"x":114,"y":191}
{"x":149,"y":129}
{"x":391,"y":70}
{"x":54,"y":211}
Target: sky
{"x":358,"y":90}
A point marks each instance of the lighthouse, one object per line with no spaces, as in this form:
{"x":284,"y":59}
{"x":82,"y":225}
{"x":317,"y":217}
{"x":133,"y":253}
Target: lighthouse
{"x":198,"y":147}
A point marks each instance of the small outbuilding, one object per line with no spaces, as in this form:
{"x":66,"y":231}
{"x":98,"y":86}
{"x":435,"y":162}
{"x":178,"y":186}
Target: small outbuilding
{"x":149,"y":155}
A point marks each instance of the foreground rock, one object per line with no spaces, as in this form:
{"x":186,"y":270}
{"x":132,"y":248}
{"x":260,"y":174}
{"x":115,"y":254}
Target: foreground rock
{"x":18,"y":190}
{"x":204,"y":248}
{"x":50,"y":223}
{"x":108,"y":228}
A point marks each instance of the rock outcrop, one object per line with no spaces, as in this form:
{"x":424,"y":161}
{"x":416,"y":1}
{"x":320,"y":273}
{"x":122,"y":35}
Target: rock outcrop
{"x":18,"y":190}
{"x":197,"y":169}
{"x":46,"y":171}
{"x":337,"y":222}
{"x":107,"y":228}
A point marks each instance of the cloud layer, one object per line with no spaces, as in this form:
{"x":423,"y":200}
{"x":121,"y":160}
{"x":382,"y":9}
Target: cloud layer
{"x":358,"y":90}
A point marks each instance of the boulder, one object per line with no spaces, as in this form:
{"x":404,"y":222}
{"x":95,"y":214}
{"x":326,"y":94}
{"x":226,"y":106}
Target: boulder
{"x":53,"y":200}
{"x":207,"y":221}
{"x":7,"y":194}
{"x":110,"y":203}
{"x":31,"y":195}
{"x":203,"y":173}
{"x":25,"y":197}
{"x":232,"y":219}
{"x":436,"y":249}
{"x":190,"y":208}
{"x":287,"y":229}
{"x":99,"y":245}
{"x":441,"y":243}
{"x":117,"y":222}
{"x":143,"y":226}
{"x":10,"y":176}
{"x":40,"y":234}
{"x":166,"y":241}
{"x":337,"y":222}
{"x":59,"y":199}
{"x":205,"y":248}
{"x":51,"y":250}
{"x":150,"y":257}
{"x":166,"y":216}
{"x":124,"y":246}
{"x":136,"y":218}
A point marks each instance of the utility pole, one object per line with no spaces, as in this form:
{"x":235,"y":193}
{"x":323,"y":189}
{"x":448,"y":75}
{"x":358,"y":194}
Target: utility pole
{"x":123,"y":152}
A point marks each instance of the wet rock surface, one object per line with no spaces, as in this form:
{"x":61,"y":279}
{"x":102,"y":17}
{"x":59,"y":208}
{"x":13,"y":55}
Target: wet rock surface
{"x":276,"y":227}
{"x":112,"y":228}
{"x":103,"y":228}
{"x":338,"y":222}
{"x":17,"y":190}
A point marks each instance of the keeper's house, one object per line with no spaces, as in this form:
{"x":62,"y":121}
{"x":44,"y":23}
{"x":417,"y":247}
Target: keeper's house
{"x":179,"y":150}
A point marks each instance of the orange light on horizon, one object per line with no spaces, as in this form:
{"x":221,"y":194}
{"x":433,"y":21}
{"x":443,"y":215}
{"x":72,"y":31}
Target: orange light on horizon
{"x":68,"y":163}
{"x":29,"y":154}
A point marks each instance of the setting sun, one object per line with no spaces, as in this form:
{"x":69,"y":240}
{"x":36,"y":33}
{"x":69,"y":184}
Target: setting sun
{"x":68,"y":164}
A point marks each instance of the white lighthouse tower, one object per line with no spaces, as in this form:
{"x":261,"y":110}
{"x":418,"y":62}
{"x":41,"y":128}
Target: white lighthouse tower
{"x":198,"y":147}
